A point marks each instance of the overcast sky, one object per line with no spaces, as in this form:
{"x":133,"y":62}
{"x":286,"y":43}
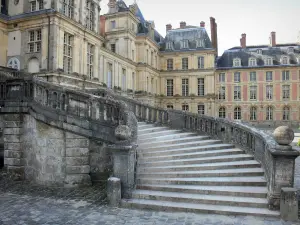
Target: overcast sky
{"x":256,"y":18}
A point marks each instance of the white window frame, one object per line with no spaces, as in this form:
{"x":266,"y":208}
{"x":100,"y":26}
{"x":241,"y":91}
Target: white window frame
{"x":291,"y":50}
{"x":222,"y":93}
{"x":199,"y":43}
{"x":170,"y":87}
{"x":259,"y":51}
{"x":90,"y":12}
{"x":269,"y":113}
{"x":285,"y":60}
{"x":269,"y":76}
{"x":252,"y":76}
{"x":68,"y":53}
{"x":184,"y":44}
{"x":185,"y":63}
{"x":236,"y":62}
{"x":90,"y":60}
{"x":68,"y":8}
{"x":200,"y":62}
{"x":201,"y":87}
{"x":170,"y":64}
{"x":269,"y":92}
{"x":237,"y":93}
{"x":237,"y":113}
{"x":253,"y":113}
{"x":113,"y":47}
{"x":237,"y":77}
{"x":185,"y":86}
{"x":252,"y":62}
{"x":253,"y":92}
{"x":169,"y":45}
{"x":35,"y":41}
{"x":222,"y":78}
{"x":222,"y":112}
{"x":285,"y":75}
{"x":185,"y":107}
{"x":286,"y":113}
{"x":269,"y":61}
{"x":201,"y":109}
{"x":285,"y":92}
{"x":36,"y":5}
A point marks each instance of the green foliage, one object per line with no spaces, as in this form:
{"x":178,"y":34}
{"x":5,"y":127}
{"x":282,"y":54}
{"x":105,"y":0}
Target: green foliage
{"x":298,"y":143}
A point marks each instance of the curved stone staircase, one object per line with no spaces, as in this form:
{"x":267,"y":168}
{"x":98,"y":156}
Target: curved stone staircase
{"x":181,"y":171}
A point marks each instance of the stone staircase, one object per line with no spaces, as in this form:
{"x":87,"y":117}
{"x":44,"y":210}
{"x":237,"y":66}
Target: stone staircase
{"x":182,"y":171}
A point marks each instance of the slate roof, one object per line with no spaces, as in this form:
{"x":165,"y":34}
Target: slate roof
{"x":276,"y":53}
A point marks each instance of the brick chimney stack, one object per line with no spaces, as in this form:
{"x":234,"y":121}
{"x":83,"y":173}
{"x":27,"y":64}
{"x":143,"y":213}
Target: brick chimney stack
{"x":214,"y":34}
{"x":273,"y":39}
{"x":182,"y":25}
{"x":243,"y":41}
{"x":168,"y":27}
{"x":202,"y":24}
{"x":102,"y":25}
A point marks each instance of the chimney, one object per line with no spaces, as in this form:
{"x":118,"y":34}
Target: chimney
{"x":168,"y":27}
{"x":273,"y":39}
{"x":182,"y":25}
{"x":102,"y":25}
{"x":112,"y":6}
{"x":243,"y":41}
{"x":202,"y":24}
{"x":214,"y":34}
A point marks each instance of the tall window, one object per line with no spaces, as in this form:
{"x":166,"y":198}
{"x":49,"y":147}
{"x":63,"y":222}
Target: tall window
{"x":124,"y":79}
{"x":199,"y":43}
{"x":185,"y":87}
{"x":253,"y":92}
{"x":68,"y":8}
{"x":236,"y":62}
{"x":269,"y":113}
{"x":285,"y":92}
{"x":90,"y":60}
{"x":169,"y":64}
{"x":133,"y":81}
{"x":185,"y":63}
{"x":201,"y":87}
{"x":269,"y":92}
{"x":200,"y":62}
{"x":269,"y":76}
{"x":185,"y":107}
{"x":285,"y":60}
{"x":113,"y":47}
{"x":253,"y":113}
{"x":286,"y":113}
{"x":259,"y":51}
{"x":222,"y":77}
{"x":252,"y":76}
{"x":36,"y":5}
{"x":169,"y":45}
{"x":237,"y":113}
{"x":237,"y":93}
{"x":90,"y":20}
{"x":170,"y":87}
{"x":35,"y":41}
{"x":252,"y":62}
{"x":222,"y":93}
{"x":222,"y":112}
{"x":237,"y":77}
{"x":113,"y":24}
{"x":269,"y":61}
{"x":201,"y":109}
{"x":68,"y":53}
{"x":285,"y":75}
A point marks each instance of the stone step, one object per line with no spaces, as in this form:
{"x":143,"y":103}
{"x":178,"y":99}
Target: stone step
{"x":206,"y":173}
{"x":145,"y":126}
{"x":166,"y":137}
{"x":186,"y":150}
{"x":190,"y":155}
{"x":243,"y":191}
{"x":200,"y":199}
{"x":201,"y":167}
{"x":151,"y":130}
{"x":211,"y":181}
{"x":181,"y":145}
{"x":196,"y":208}
{"x":157,"y":134}
{"x":228,"y":158}
{"x":173,"y":141}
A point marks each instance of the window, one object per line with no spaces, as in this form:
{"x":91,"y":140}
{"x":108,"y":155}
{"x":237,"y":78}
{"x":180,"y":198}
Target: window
{"x":252,"y":76}
{"x":184,"y":44}
{"x":36,"y":5}
{"x":286,"y":113}
{"x":252,"y":62}
{"x":68,"y":53}
{"x":169,"y":64}
{"x":68,"y":8}
{"x":222,"y":112}
{"x":285,"y":75}
{"x":90,"y":20}
{"x":269,"y":113}
{"x":237,"y":77}
{"x":124,"y":79}
{"x":170,"y":87}
{"x":200,"y":62}
{"x":169,"y":45}
{"x":285,"y":92}
{"x":253,"y":113}
{"x":113,"y":47}
{"x":269,"y":92}
{"x":284,"y":60}
{"x":201,"y":87}
{"x":259,"y":51}
{"x":236,"y":62}
{"x":222,"y":77}
{"x":237,"y":93}
{"x":269,"y":61}
{"x":199,"y":43}
{"x":90,"y":60}
{"x":113,"y":24}
{"x":222,"y":93}
{"x":290,"y":50}
{"x":237,"y":113}
{"x":253,"y":92}
{"x":185,"y":87}
{"x":201,"y":109}
{"x":185,"y":107}
{"x":185,"y":63}
{"x":35,"y":41}
{"x":269,"y":76}
{"x":170,"y":107}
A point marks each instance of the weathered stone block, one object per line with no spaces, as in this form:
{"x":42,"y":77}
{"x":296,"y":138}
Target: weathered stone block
{"x":12,"y":138}
{"x":12,"y":117}
{"x":77,"y":161}
{"x":12,"y":124}
{"x":16,"y":172}
{"x":79,"y":143}
{"x":12,"y":146}
{"x":289,"y":204}
{"x":74,"y":152}
{"x":13,"y":162}
{"x":13,"y":154}
{"x":12,"y":131}
{"x":76,"y":180}
{"x":73,"y":136}
{"x":78,"y":169}
{"x":114,"y":191}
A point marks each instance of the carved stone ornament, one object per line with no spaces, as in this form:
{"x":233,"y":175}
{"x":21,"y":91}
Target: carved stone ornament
{"x":283,"y":135}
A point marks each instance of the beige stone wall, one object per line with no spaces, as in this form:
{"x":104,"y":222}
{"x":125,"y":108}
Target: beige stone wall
{"x":3,"y":43}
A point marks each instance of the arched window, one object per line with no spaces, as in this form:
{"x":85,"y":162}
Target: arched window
{"x":14,"y":63}
{"x":237,"y":113}
{"x":252,"y":62}
{"x":286,"y":113}
{"x":269,"y":113}
{"x":222,"y":112}
{"x":236,"y":62}
{"x":253,"y":113}
{"x":284,"y":60}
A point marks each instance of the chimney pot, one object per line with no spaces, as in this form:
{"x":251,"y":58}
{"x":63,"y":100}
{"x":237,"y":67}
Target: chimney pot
{"x":168,"y":27}
{"x":182,"y":25}
{"x":202,"y":24}
{"x":273,"y":39}
{"x":243,"y":41}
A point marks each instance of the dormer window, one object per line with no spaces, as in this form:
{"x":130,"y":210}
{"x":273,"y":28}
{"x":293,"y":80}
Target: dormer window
{"x":252,"y":62}
{"x":259,"y":51}
{"x":284,"y":60}
{"x":199,"y":43}
{"x":269,"y":61}
{"x":290,"y":50}
{"x":184,"y":44}
{"x":169,"y":45}
{"x":236,"y":62}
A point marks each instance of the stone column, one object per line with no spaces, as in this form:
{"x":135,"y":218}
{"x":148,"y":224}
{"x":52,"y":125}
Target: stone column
{"x":13,"y":152}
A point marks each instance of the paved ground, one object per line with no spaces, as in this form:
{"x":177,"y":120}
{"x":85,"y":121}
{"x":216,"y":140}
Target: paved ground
{"x":24,"y":203}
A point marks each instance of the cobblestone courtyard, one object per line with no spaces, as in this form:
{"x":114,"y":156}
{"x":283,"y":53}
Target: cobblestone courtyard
{"x":22,"y":203}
